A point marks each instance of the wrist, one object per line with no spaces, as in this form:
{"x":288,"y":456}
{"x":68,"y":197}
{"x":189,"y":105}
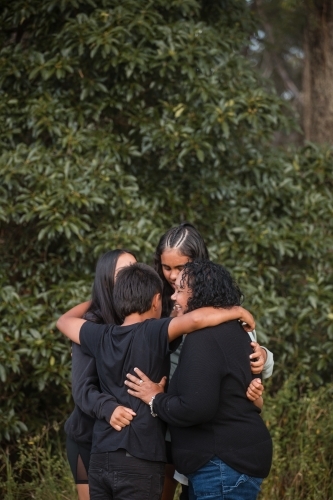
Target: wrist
{"x":264,"y":353}
{"x":151,"y":406}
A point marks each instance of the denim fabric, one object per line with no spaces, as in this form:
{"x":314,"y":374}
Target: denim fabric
{"x":217,"y":481}
{"x":119,"y":476}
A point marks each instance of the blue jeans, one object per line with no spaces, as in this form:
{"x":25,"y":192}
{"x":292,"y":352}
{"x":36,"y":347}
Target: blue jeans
{"x":217,"y":481}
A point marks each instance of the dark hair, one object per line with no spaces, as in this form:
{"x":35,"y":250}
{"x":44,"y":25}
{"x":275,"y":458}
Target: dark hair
{"x":189,"y":242}
{"x":135,"y":288}
{"x":102,"y":308}
{"x":211,"y":285}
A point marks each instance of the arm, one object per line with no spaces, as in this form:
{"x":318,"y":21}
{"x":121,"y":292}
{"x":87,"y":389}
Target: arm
{"x":260,"y":351}
{"x":205,"y":317}
{"x":259,"y":403}
{"x":70,"y":323}
{"x":254,"y":392}
{"x":199,"y":392}
{"x":88,"y":396}
{"x":85,"y":382}
{"x":258,"y":358}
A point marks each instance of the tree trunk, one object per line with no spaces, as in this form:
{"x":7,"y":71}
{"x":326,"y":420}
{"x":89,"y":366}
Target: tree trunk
{"x":318,"y":72}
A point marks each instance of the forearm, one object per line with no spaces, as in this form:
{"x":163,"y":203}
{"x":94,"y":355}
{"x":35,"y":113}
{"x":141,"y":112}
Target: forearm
{"x":85,"y":387}
{"x":181,"y":411}
{"x":207,"y":317}
{"x":98,"y":404}
{"x":71,"y":321}
{"x":259,"y":402}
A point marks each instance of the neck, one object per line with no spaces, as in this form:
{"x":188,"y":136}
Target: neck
{"x":137,"y":318}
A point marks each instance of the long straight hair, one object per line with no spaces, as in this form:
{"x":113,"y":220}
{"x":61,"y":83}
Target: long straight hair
{"x":188,"y":241}
{"x":102,"y":308}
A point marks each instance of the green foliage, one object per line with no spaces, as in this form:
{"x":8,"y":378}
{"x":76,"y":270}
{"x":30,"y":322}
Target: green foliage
{"x":301,"y":427}
{"x":121,"y":119}
{"x":39,"y":470}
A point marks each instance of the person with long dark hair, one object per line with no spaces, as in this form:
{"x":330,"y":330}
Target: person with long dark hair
{"x":90,"y":402}
{"x":219,"y":441}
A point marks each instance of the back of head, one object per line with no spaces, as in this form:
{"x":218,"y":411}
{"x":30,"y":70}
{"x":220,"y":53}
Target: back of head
{"x":134,"y":289}
{"x":188,"y":241}
{"x":102,"y":309}
{"x":211,"y":285}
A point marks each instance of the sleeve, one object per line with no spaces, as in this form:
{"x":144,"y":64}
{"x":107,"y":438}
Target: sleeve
{"x":91,"y":335}
{"x":156,"y":335}
{"x":85,"y":387}
{"x":198,"y":394}
{"x":269,"y":365}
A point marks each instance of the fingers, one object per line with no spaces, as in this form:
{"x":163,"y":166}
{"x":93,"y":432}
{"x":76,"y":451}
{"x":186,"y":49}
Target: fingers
{"x":141,"y":374}
{"x":256,"y":349}
{"x":255,"y":389}
{"x":133,"y":385}
{"x":247,"y":320}
{"x":121,"y":417}
{"x":134,"y":379}
{"x":247,"y":327}
{"x":257,"y":366}
{"x":163,"y":381}
{"x":132,"y":393}
{"x":257,"y":360}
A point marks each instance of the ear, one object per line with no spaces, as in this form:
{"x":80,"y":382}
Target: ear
{"x":156,"y":302}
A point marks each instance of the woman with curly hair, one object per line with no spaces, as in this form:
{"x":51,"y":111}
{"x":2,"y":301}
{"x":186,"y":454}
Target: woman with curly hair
{"x":177,"y":246}
{"x":219,"y":440}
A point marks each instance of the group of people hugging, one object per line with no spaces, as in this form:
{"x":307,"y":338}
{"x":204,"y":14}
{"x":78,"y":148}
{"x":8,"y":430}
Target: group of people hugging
{"x":166,"y":380}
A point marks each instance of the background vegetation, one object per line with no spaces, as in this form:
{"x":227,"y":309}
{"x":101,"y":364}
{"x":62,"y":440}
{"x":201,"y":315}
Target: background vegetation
{"x":119,"y":120}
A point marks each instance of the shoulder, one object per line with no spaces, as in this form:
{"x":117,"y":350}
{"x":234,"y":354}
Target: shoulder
{"x":156,"y":325}
{"x":93,"y":331}
{"x":221,"y":335}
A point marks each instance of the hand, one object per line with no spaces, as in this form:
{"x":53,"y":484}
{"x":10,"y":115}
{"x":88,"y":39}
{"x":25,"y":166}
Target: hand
{"x":142,"y":387}
{"x":247,"y":320}
{"x":255,"y":389}
{"x":260,"y":356}
{"x":121,"y":417}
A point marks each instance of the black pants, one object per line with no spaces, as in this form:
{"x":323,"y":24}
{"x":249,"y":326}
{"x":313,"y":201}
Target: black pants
{"x":119,"y":476}
{"x":184,"y":493}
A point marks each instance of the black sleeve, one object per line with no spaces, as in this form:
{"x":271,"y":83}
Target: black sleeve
{"x":202,"y":364}
{"x":156,"y":334}
{"x":85,"y":387}
{"x":91,"y":335}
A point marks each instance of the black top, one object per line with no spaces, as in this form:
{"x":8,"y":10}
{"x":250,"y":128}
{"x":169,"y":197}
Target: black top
{"x":90,"y":402}
{"x":118,"y":350}
{"x":207,"y":408}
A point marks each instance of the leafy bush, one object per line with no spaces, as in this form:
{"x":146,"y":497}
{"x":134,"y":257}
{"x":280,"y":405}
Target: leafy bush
{"x":301,"y":427}
{"x":120,"y":120}
{"x":38,"y":469}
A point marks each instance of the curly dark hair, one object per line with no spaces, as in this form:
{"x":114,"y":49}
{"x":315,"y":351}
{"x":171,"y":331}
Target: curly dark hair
{"x":211,"y":285}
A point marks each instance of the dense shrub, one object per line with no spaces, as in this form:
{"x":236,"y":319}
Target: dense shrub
{"x":301,"y":427}
{"x":120,"y":119}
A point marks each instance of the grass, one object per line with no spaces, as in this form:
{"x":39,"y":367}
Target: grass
{"x":302,"y":430}
{"x":36,"y":469}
